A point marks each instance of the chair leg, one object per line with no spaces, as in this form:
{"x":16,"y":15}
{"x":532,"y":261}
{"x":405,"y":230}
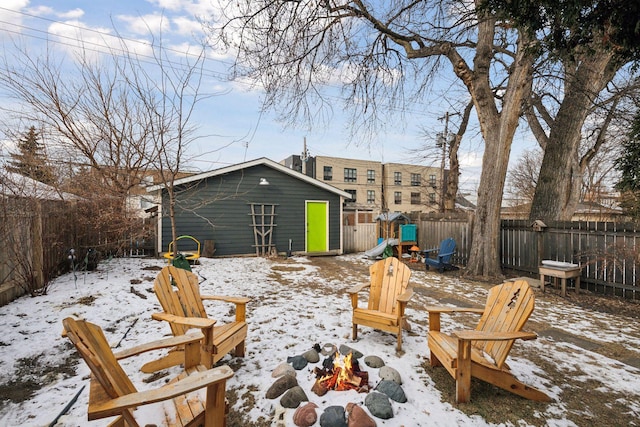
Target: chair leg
{"x":239,"y":350}
{"x":215,"y":405}
{"x":354,"y":333}
{"x":399,"y":346}
{"x":463,"y":372}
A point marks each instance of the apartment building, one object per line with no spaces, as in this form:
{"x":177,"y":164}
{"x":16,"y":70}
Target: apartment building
{"x":374,"y":186}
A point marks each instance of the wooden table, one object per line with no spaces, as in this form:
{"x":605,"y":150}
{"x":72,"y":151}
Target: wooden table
{"x":563,"y":274}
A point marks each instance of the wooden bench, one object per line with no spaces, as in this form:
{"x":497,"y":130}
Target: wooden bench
{"x":563,"y":274}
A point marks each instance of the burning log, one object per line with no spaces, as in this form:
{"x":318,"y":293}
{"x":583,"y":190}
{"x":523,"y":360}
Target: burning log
{"x":340,"y":374}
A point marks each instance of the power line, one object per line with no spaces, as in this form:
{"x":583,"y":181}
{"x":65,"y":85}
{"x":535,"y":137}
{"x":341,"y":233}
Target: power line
{"x":98,"y":48}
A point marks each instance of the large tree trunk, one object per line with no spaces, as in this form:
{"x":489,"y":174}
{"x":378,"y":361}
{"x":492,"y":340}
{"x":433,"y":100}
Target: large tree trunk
{"x":498,"y":128}
{"x":484,"y":260}
{"x":558,"y":189}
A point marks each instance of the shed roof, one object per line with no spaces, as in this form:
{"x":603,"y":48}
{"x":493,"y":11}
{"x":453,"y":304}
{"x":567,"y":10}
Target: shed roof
{"x":261,"y":161}
{"x":392,"y":216}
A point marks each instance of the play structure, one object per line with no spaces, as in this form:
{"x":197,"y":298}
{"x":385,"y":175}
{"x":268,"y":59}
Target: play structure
{"x":192,"y":252}
{"x":395,"y":230}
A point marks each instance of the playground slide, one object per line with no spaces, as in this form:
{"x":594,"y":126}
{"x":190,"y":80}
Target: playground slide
{"x":377,"y":250}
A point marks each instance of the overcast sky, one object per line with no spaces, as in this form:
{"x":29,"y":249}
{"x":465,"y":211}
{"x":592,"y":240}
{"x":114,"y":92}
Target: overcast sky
{"x":232,"y":126}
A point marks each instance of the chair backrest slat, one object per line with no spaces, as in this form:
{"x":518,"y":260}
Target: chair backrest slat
{"x":188,"y":292}
{"x":507,"y":309}
{"x":447,"y":246}
{"x":94,"y":348}
{"x":389,"y":279}
{"x":167,"y":295}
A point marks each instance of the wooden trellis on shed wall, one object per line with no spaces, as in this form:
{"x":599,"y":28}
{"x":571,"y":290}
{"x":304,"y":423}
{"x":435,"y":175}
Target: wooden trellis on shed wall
{"x":263,"y":217}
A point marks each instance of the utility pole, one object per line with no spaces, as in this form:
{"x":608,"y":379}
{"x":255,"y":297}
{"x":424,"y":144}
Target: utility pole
{"x":305,"y":156}
{"x":442,"y":141}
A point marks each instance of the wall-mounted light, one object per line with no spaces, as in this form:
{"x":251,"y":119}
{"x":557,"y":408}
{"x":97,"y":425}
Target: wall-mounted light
{"x":263,"y":181}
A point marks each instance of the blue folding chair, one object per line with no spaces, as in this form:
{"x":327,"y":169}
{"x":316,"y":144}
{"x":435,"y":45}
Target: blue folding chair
{"x":442,"y":260}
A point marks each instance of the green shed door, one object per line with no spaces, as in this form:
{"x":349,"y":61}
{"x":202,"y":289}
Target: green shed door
{"x":317,"y":226}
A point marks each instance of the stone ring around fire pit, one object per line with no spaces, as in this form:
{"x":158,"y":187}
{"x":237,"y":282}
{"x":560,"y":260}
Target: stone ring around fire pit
{"x":339,"y":371}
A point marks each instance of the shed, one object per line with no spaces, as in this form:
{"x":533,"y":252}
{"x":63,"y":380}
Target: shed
{"x":257,"y":207}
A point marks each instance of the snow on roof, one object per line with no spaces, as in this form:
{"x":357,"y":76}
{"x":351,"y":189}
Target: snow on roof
{"x":16,"y":185}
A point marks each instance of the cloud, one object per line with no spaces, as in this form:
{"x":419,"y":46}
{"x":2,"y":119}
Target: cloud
{"x":174,"y":5}
{"x":186,"y":26}
{"x":11,"y":17}
{"x":155,"y":23}
{"x":196,"y":8}
{"x":79,"y":39}
{"x":72,"y":14}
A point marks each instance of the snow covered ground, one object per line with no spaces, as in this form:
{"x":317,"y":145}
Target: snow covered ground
{"x":297,"y":302}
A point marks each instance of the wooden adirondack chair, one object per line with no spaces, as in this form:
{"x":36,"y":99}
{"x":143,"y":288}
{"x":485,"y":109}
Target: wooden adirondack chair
{"x":442,"y":260}
{"x":183,"y":310}
{"x":462,"y":353}
{"x":113,"y":394}
{"x":388,"y":297}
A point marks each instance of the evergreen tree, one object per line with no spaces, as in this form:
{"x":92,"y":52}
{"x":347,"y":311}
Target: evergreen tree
{"x":629,"y":167}
{"x":30,"y":160}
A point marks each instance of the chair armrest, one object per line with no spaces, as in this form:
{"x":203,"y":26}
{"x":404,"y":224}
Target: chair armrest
{"x":357,"y":288}
{"x":156,"y":345}
{"x":428,"y":251}
{"x":436,"y":309}
{"x":191,"y":383}
{"x":446,"y":254}
{"x":405,"y":296}
{"x":493,"y":336}
{"x":234,"y":300}
{"x":194,"y":322}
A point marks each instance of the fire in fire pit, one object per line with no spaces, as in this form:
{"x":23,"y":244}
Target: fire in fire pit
{"x":340,"y":373}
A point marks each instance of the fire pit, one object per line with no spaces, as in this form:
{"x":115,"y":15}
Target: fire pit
{"x":340,"y":372}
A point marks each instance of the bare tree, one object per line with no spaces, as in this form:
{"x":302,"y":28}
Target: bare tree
{"x":522,"y":179}
{"x":169,"y":94}
{"x":89,"y":115}
{"x":452,"y":184}
{"x":116,"y":117}
{"x":386,"y":55}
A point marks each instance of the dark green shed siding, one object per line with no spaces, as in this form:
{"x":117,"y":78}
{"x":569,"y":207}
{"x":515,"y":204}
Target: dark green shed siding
{"x":218,"y":208}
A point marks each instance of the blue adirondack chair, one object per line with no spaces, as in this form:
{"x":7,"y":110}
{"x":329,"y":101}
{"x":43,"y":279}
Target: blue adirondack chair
{"x":442,"y":260}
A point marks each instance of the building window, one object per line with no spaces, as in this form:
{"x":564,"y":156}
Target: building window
{"x":432,"y":180}
{"x":371,"y":196}
{"x":328,"y":173}
{"x":371,"y":176}
{"x":415,"y":198}
{"x":353,"y":195}
{"x":397,"y":178}
{"x":350,"y":174}
{"x":415,"y":180}
{"x":432,"y":198}
{"x":397,"y":197}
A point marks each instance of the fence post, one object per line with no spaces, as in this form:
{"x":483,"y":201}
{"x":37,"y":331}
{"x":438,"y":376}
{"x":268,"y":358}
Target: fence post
{"x":37,"y":248}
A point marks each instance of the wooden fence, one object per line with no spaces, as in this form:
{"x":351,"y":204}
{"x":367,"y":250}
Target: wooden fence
{"x":36,"y":237}
{"x":609,"y":252}
{"x":359,"y":238}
